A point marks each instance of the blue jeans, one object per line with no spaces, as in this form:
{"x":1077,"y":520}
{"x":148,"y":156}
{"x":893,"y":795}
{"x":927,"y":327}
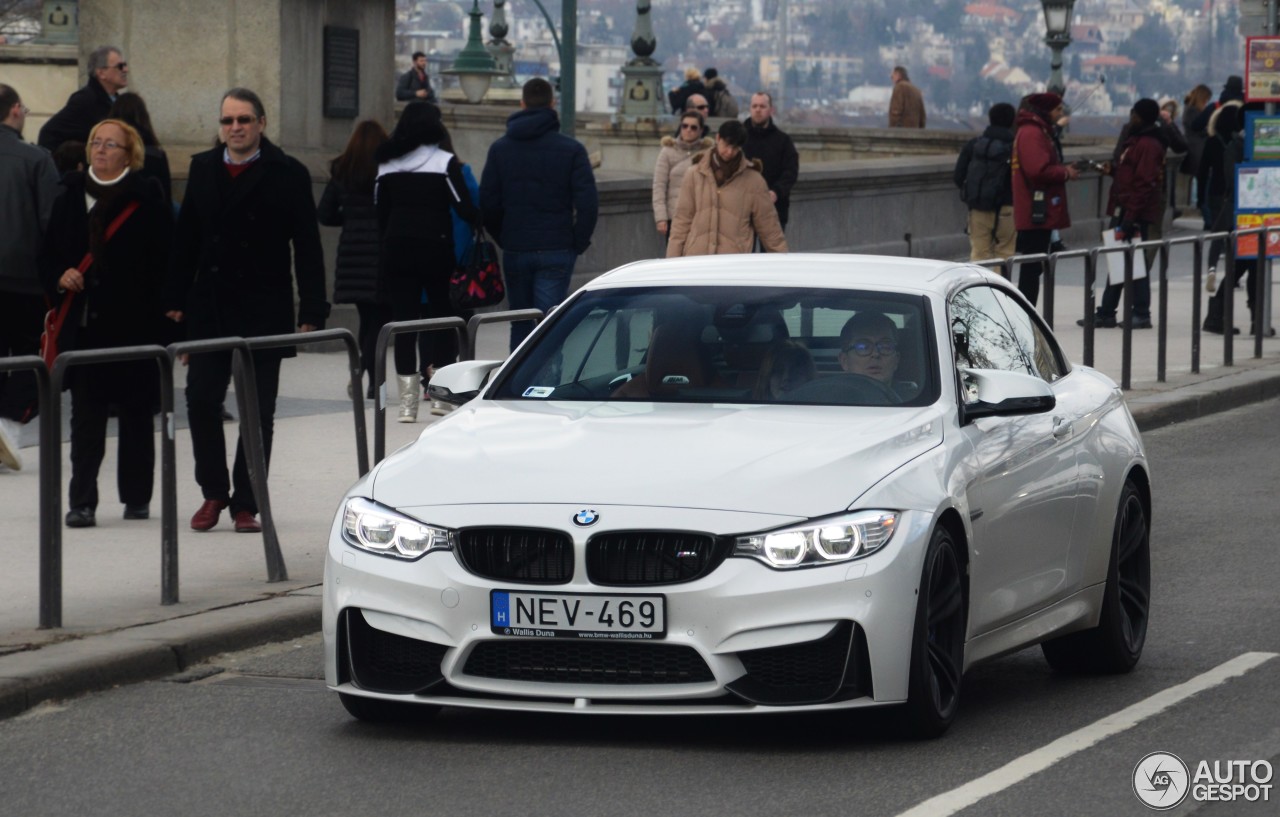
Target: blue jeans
{"x":538,"y":279}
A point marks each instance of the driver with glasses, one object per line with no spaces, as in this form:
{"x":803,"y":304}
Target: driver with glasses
{"x":869,"y":347}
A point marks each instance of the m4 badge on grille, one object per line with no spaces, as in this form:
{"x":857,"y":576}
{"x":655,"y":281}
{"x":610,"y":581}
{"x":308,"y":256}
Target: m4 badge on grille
{"x":585,"y":518}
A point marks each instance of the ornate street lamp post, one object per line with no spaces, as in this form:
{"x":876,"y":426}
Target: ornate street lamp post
{"x":474,"y":67}
{"x":1057,"y":24}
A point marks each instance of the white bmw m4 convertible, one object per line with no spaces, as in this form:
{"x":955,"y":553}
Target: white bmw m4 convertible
{"x":748,"y":484}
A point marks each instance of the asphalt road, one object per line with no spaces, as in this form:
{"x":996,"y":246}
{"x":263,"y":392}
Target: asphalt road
{"x":257,"y":733}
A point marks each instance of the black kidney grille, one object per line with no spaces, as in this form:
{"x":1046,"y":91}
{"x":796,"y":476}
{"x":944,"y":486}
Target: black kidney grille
{"x":588,"y":662}
{"x":653,"y":557}
{"x":525,"y":555}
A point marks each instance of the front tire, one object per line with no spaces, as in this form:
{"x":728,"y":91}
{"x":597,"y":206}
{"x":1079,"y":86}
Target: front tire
{"x":1115,"y":645}
{"x":937,"y":643}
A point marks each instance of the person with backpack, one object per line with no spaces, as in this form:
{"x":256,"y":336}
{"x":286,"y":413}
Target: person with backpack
{"x":983,"y":175}
{"x":723,"y":102}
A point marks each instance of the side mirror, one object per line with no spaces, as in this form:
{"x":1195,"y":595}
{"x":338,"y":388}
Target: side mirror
{"x":994,"y":393}
{"x":459,"y":383}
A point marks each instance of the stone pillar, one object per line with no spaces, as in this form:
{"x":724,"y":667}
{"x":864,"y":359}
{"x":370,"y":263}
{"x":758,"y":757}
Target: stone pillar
{"x":642,"y":76}
{"x":183,"y":54}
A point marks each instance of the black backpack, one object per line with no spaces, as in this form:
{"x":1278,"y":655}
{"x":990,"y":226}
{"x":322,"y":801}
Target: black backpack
{"x":987,"y":179}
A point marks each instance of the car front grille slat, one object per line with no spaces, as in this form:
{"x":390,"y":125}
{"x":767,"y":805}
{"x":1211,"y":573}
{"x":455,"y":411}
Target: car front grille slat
{"x":588,"y":662}
{"x":523,"y":555}
{"x":652,"y":557}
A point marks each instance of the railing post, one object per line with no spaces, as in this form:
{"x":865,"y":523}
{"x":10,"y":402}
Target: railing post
{"x":1126,"y":318}
{"x":1162,"y":329}
{"x":1090,"y":302}
{"x":1197,"y":300}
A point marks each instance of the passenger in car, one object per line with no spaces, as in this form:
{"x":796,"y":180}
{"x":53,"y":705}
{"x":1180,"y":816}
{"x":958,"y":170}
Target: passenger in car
{"x":785,"y":366}
{"x":869,"y":346}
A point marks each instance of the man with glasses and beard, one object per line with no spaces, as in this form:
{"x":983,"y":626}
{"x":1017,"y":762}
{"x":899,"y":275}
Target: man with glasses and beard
{"x":108,"y":76}
{"x":248,"y":218}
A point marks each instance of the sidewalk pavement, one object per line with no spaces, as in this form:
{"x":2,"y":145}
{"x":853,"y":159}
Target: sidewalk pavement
{"x":116,"y":631}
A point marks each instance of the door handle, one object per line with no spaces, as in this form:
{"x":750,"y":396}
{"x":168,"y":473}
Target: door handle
{"x":1061,"y":427}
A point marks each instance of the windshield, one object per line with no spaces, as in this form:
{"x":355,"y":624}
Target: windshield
{"x":731,"y":345}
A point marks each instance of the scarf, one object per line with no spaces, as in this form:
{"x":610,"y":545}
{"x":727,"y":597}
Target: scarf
{"x":722,"y":170}
{"x":107,"y":200}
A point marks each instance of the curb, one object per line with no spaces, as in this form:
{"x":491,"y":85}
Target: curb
{"x":1195,"y":400}
{"x":92,"y":664}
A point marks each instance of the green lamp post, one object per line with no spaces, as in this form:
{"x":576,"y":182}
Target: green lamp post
{"x":474,"y":66}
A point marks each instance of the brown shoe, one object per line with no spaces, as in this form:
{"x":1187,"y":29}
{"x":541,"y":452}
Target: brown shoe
{"x":207,"y":516}
{"x":246,"y":523}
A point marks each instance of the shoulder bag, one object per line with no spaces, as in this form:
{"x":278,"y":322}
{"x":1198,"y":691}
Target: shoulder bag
{"x":477,"y":281}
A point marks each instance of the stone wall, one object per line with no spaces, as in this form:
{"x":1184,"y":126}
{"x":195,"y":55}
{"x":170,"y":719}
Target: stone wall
{"x":44,"y":76}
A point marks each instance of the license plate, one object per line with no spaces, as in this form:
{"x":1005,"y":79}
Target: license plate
{"x":577,"y":615}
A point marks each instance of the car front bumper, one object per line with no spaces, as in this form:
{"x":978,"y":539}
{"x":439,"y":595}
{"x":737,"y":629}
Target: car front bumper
{"x":743,"y":638}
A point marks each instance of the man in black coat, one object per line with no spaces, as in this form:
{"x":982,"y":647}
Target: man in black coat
{"x":414,"y":83}
{"x":539,"y":199}
{"x":28,"y":188}
{"x":248,"y":208}
{"x":775,"y":150}
{"x":108,"y":76}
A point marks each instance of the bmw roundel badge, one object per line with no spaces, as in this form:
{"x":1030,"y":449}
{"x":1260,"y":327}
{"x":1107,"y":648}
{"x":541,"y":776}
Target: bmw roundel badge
{"x":585,"y":518}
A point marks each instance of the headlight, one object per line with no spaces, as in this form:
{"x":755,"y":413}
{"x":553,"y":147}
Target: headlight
{"x":819,"y":543}
{"x":376,"y":528}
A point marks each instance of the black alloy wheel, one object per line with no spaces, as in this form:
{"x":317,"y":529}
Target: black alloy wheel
{"x":1115,"y":645}
{"x":937,"y":648}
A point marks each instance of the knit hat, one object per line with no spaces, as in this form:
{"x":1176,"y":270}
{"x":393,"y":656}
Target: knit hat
{"x":1148,"y":110}
{"x":1234,"y":89}
{"x":710,"y":74}
{"x":1044,"y":104}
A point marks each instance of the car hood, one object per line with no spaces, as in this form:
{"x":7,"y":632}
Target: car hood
{"x":801,"y":461}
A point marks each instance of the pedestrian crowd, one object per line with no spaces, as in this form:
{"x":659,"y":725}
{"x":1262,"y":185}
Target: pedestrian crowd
{"x":88,"y":225}
{"x":88,"y":221}
{"x":1013,"y":179}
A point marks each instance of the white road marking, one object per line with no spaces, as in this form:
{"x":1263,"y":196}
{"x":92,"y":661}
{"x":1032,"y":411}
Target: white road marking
{"x":1049,"y":755}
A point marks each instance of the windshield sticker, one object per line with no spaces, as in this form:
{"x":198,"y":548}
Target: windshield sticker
{"x":539,"y":391}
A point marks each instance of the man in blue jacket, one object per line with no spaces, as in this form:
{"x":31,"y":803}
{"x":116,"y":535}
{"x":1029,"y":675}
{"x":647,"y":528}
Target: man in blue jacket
{"x":540,"y":204}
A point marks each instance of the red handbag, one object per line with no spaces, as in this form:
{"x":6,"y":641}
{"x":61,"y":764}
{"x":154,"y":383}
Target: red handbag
{"x":56,"y":317}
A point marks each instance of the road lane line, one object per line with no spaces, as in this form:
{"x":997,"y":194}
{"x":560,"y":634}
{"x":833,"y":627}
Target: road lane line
{"x":1049,"y":755}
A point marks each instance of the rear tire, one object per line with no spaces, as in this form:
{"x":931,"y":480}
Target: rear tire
{"x":937,"y":642}
{"x":377,"y":710}
{"x":1115,"y":645}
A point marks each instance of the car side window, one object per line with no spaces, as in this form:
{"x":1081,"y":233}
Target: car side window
{"x":1037,"y":346}
{"x":983,"y":336}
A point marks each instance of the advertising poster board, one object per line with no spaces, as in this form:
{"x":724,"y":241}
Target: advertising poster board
{"x":1261,"y":137}
{"x":1262,"y":69}
{"x":1257,"y":205}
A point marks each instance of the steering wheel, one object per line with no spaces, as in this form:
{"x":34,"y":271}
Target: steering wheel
{"x":845,"y":388}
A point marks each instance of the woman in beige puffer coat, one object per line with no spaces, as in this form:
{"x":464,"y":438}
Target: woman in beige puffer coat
{"x":724,"y":202}
{"x":673,"y":162}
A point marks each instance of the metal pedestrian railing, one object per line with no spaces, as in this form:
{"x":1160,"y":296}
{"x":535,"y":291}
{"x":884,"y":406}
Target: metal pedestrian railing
{"x":1159,"y":273}
{"x":50,"y":390}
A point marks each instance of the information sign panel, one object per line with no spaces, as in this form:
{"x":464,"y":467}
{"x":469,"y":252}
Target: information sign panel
{"x":1262,"y":69}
